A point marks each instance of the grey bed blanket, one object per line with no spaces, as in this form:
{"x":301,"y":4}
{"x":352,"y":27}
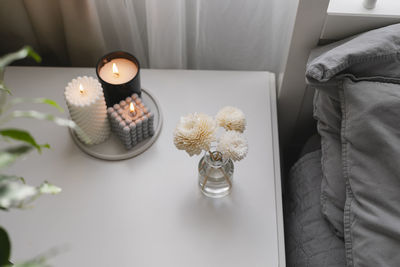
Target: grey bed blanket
{"x":309,"y":239}
{"x":363,"y":76}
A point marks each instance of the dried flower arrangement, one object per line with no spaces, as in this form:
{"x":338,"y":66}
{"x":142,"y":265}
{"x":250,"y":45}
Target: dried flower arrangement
{"x":197,"y":132}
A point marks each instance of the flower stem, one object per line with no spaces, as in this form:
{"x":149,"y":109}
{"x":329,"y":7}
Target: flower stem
{"x":211,"y":155}
{"x":226,"y":177}
{"x":205,"y":181}
{"x":215,"y":155}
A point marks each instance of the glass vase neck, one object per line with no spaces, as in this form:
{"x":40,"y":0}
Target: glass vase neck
{"x":215,"y":158}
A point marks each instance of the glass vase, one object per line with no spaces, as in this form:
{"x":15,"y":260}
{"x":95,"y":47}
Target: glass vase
{"x":215,"y":175}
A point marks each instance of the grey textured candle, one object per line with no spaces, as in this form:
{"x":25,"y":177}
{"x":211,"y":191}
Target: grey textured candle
{"x":131,"y":121}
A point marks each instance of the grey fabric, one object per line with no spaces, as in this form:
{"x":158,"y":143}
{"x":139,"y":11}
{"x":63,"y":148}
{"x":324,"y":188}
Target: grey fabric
{"x":313,"y":144}
{"x":330,"y":86}
{"x":365,"y":72}
{"x":371,"y":153}
{"x":309,"y":241}
{"x":377,"y":48}
{"x":327,"y":111}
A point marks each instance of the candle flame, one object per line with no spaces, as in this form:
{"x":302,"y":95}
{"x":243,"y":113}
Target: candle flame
{"x":81,"y":88}
{"x":115,"y":70}
{"x":132,"y":108}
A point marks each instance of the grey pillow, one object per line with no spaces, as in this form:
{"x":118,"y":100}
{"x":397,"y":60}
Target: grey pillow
{"x":371,"y":156}
{"x":372,"y":55}
{"x":364,"y":72}
{"x":328,"y":115}
{"x":333,"y":186}
{"x":360,"y":56}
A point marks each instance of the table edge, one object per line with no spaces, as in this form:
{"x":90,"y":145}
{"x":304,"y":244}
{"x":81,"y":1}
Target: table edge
{"x":277,"y":171}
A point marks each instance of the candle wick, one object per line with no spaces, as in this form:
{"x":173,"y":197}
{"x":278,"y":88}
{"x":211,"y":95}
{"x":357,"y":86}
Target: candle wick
{"x":81,"y":89}
{"x":115,"y":70}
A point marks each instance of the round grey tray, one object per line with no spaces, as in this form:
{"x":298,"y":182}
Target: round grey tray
{"x":113,"y":149}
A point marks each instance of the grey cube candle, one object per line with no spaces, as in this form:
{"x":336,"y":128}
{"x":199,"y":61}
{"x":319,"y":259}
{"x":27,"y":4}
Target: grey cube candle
{"x":131,"y":121}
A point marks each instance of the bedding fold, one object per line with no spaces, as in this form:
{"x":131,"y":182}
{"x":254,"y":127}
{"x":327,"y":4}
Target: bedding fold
{"x":363,"y":75}
{"x":309,"y":241}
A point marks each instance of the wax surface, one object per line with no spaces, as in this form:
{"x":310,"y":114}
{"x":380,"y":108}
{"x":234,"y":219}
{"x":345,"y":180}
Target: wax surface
{"x":131,"y":130}
{"x":91,"y":92}
{"x":88,"y":109}
{"x":126,"y":68}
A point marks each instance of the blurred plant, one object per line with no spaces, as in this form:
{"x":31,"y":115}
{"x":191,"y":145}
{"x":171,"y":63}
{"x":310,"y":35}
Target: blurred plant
{"x":14,"y":192}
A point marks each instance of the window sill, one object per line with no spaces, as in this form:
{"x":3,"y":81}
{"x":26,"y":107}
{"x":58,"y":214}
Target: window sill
{"x":384,"y":8}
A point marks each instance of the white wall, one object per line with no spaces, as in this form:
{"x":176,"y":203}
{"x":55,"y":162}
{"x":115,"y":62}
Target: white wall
{"x":346,"y":18}
{"x":307,"y":29}
{"x":285,"y":9}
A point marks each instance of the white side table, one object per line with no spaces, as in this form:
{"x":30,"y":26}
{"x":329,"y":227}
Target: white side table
{"x":148,"y":210}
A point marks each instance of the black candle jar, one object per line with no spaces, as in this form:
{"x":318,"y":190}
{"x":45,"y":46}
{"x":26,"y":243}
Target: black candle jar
{"x":115,"y":90}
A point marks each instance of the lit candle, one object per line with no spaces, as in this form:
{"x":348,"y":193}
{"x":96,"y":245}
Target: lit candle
{"x":119,"y":74}
{"x":87,"y":108}
{"x":132,"y":123}
{"x":118,"y":71}
{"x":81,"y":88}
{"x":115,"y":70}
{"x":132,"y":109}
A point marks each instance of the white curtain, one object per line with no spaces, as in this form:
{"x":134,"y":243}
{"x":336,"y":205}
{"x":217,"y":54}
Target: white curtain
{"x":184,"y":34}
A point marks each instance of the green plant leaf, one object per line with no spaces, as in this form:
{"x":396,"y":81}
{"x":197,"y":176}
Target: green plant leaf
{"x":15,"y":194}
{"x":37,"y":262}
{"x":4,"y":177}
{"x":4,"y":88}
{"x":9,"y":155}
{"x":48,"y":102}
{"x":47,"y":188}
{"x":24,"y":136}
{"x":37,"y":100}
{"x":5,"y":247}
{"x":31,"y":263}
{"x":3,"y":101}
{"x":43,"y":116}
{"x":20,"y":54}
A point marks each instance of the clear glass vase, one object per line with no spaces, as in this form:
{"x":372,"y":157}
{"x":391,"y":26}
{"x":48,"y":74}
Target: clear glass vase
{"x":215,"y":175}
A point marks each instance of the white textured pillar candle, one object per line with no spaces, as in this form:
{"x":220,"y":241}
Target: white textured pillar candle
{"x":87,"y":107}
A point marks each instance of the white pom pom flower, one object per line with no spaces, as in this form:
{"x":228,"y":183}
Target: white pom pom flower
{"x":194,"y":133}
{"x":233,"y":145}
{"x":231,"y":118}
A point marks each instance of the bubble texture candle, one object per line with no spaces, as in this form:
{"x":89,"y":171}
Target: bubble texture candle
{"x":131,"y":127}
{"x":87,"y":107}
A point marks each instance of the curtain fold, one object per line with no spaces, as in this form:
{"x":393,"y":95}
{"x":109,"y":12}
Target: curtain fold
{"x":181,"y":34}
{"x":123,"y":27}
{"x":83,"y":36}
{"x":166,"y":33}
{"x":46,"y":20}
{"x":15,"y":27}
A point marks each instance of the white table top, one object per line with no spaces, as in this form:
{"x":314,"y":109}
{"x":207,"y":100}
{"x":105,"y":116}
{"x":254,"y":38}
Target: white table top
{"x":148,"y":210}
